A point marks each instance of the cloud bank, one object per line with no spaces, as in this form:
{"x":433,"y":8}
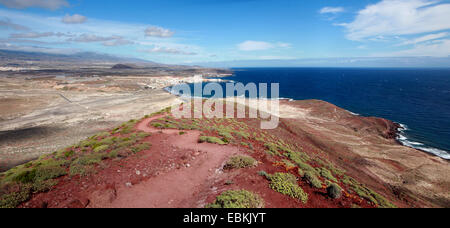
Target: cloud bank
{"x":399,"y":17}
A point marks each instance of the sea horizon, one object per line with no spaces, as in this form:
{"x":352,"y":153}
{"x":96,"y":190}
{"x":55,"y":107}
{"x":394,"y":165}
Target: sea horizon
{"x":413,"y":133}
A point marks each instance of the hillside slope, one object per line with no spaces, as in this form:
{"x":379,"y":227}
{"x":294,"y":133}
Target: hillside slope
{"x":319,"y":156}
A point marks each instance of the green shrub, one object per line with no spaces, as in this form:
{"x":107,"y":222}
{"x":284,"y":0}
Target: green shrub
{"x":243,"y":135}
{"x":272,"y":149}
{"x":49,"y":172}
{"x":44,"y":186}
{"x":90,"y":159}
{"x":237,"y":199}
{"x":334,"y":191}
{"x":327,"y":174}
{"x":25,"y":176}
{"x":101,"y":148}
{"x":211,"y":139}
{"x":14,"y":199}
{"x":157,"y":125}
{"x":313,"y":180}
{"x":144,"y":135}
{"x":226,"y":135}
{"x":140,"y":147}
{"x":367,"y":193}
{"x":107,"y":141}
{"x":88,"y":143}
{"x":237,"y":162}
{"x":286,"y":183}
{"x":81,"y":170}
{"x":288,"y":164}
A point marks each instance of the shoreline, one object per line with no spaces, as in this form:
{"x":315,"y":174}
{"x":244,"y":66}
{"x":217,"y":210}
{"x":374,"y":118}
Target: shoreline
{"x":400,"y":128}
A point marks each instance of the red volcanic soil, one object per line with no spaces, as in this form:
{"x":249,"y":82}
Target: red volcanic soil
{"x":177,"y":172}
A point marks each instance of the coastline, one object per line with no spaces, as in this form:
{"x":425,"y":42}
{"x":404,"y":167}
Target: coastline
{"x":397,"y":132}
{"x":369,"y":149}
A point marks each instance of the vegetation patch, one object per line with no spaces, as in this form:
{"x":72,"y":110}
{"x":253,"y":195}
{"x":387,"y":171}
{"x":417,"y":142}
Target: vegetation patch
{"x":211,"y":139}
{"x":101,"y":148}
{"x":313,"y":180}
{"x":237,"y":199}
{"x":140,"y":147}
{"x":81,"y":170}
{"x":15,"y":198}
{"x":334,"y":191}
{"x":367,"y":193}
{"x":325,"y":173}
{"x":288,"y":164}
{"x":286,"y":183}
{"x":238,"y":162}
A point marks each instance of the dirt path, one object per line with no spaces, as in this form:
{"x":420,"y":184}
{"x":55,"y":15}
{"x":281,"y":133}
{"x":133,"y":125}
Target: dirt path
{"x":177,"y":188}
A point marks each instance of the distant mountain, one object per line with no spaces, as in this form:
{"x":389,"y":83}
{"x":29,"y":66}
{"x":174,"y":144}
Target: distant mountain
{"x":123,"y":66}
{"x":8,"y":56}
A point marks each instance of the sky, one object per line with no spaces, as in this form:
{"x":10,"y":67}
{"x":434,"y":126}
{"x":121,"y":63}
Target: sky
{"x":199,"y":31}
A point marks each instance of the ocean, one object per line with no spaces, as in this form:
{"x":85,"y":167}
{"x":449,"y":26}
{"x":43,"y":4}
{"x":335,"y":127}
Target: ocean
{"x":418,"y":99}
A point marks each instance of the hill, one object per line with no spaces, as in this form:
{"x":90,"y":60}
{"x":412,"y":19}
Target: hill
{"x":160,"y":161}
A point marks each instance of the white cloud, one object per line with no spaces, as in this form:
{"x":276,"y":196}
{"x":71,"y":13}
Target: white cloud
{"x":33,"y":35}
{"x":251,"y":45}
{"x":332,"y":10}
{"x":109,"y":41}
{"x":90,"y":38}
{"x":74,"y":19}
{"x":437,"y":48}
{"x":399,"y":17}
{"x":117,"y":42}
{"x":425,"y":38}
{"x":169,"y":50}
{"x":94,"y":35}
{"x":155,"y":31}
{"x":47,"y":4}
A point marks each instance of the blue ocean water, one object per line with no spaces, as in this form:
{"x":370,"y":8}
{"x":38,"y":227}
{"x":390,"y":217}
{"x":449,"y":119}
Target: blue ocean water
{"x":419,"y":99}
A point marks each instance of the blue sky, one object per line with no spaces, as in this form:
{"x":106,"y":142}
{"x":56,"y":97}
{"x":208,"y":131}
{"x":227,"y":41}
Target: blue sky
{"x":193,"y":31}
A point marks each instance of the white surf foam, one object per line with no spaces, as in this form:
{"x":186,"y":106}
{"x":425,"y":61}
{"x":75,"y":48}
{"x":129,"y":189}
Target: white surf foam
{"x":401,"y":137}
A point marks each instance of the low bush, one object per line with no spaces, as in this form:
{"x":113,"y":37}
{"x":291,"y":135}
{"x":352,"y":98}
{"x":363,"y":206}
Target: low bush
{"x":327,"y":174}
{"x":286,"y":183}
{"x":211,"y":139}
{"x":237,"y":199}
{"x":237,"y":162}
{"x":140,"y":147}
{"x":313,"y":179}
{"x":334,"y":191}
